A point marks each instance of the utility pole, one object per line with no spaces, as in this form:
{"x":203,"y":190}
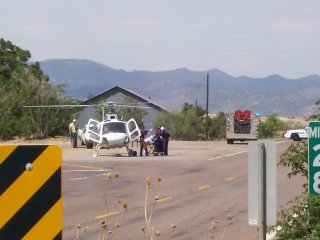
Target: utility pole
{"x":207,"y":108}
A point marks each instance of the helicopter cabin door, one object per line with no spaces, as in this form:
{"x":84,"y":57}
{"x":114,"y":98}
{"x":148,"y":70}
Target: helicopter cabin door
{"x":133,"y":130}
{"x":93,"y":131}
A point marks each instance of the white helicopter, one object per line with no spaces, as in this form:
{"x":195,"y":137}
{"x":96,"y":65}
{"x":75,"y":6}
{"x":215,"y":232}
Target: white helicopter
{"x":110,"y":132}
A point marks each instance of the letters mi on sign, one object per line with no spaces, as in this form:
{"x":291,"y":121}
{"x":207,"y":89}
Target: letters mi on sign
{"x":314,"y":157}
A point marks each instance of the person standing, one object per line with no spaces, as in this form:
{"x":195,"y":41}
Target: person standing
{"x":73,"y":129}
{"x":158,"y":141}
{"x":165,"y":135}
{"x":142,"y":138}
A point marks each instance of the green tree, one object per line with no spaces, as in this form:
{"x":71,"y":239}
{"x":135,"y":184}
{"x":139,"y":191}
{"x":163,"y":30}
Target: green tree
{"x":191,"y":124}
{"x":198,"y":110}
{"x":38,"y":91}
{"x":217,"y":127}
{"x":270,"y":127}
{"x":302,"y":219}
{"x":184,"y":125}
{"x":22,"y":84}
{"x":134,"y":111}
{"x":167,"y":120}
{"x":13,"y":61}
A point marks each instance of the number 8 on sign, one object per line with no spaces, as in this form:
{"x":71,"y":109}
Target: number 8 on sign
{"x":316,"y":163}
{"x":316,"y":183}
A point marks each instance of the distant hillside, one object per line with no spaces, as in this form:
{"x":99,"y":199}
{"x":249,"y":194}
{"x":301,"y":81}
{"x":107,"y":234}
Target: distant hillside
{"x":173,"y":88}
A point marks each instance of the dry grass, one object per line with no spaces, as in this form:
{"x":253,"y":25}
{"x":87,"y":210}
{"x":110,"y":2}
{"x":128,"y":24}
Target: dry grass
{"x":294,"y":122}
{"x":291,"y":122}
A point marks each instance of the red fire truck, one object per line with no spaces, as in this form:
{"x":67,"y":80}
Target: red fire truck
{"x":241,"y":126}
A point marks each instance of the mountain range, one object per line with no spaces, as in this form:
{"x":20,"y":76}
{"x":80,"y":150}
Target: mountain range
{"x":271,"y":94}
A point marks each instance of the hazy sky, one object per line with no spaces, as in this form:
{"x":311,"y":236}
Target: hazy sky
{"x":240,"y":37}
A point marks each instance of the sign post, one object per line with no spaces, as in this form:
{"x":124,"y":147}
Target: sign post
{"x":314,"y":157}
{"x":262,"y":185}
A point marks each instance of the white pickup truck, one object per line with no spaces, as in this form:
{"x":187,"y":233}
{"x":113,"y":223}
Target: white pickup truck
{"x":82,"y":137}
{"x":297,"y":134}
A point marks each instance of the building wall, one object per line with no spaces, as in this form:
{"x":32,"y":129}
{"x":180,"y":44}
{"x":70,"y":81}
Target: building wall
{"x":117,"y":97}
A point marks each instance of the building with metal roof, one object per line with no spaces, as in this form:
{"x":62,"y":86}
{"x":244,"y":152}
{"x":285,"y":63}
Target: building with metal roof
{"x":119,"y":95}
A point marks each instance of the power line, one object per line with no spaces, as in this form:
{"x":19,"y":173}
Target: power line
{"x":244,"y":50}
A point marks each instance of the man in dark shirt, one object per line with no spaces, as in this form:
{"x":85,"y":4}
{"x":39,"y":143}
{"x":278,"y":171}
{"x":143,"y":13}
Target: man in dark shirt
{"x":165,"y":135}
{"x":158,"y":141}
{"x":142,"y":138}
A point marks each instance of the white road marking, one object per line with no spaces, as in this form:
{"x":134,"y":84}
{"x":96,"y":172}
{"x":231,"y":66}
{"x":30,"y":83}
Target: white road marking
{"x":203,"y":187}
{"x":81,"y":178}
{"x":230,"y":179}
{"x":164,"y":199}
{"x":236,"y":153}
{"x":228,"y":155}
{"x":91,"y":170}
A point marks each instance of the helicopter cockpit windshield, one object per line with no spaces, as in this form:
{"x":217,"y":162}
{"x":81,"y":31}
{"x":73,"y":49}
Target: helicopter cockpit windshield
{"x":114,"y":127}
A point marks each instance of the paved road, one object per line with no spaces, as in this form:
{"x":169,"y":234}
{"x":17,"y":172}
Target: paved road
{"x":201,"y":183}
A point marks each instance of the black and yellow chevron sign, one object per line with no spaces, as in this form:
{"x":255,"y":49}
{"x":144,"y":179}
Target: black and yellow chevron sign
{"x":30,"y":192}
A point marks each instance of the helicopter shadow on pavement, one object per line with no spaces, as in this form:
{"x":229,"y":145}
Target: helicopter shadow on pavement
{"x":113,"y":155}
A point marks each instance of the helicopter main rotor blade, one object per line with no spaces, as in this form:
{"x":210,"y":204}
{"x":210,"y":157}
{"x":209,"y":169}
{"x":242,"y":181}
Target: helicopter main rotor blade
{"x":108,"y":104}
{"x":131,"y":106}
{"x":56,"y":106}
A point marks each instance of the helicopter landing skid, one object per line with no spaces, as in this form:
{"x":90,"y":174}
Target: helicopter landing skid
{"x":96,"y":151}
